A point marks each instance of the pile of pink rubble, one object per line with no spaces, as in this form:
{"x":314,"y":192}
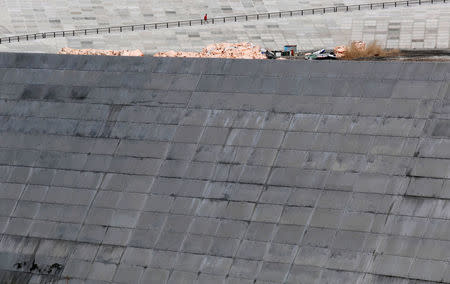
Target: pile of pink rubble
{"x":341,"y":50}
{"x":67,"y":50}
{"x":243,"y":50}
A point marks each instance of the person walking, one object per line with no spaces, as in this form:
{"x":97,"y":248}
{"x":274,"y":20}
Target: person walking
{"x":205,"y":18}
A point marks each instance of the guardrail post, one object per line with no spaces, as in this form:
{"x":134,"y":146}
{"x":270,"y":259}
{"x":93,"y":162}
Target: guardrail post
{"x":235,"y":19}
{"x":383,"y":5}
{"x":324,"y":10}
{"x":346,"y":9}
{"x":257,"y":16}
{"x":291,"y":13}
{"x":54,"y":34}
{"x":190,"y":23}
{"x":27,"y":38}
{"x":280,"y":15}
{"x":370,"y":6}
{"x":64,"y":34}
{"x":213,"y":21}
{"x":34,"y":36}
{"x":85,"y":31}
{"x":395,"y":4}
{"x":359,"y":7}
{"x":0,"y":41}
{"x":132,"y":29}
{"x":9,"y":39}
{"x":178,"y":23}
{"x":407,"y":3}
{"x":73,"y":33}
{"x":156,"y":26}
{"x":109,"y":29}
{"x":18,"y":38}
{"x":268,"y":16}
{"x":302,"y":12}
{"x":167,"y":25}
{"x":313,"y":11}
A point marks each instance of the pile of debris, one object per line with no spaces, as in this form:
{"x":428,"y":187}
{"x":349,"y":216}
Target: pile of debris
{"x":359,"y":49}
{"x":67,"y":50}
{"x":243,"y":50}
{"x":354,"y":50}
{"x":246,"y":50}
{"x":342,"y":51}
{"x":339,"y":52}
{"x":320,"y":54}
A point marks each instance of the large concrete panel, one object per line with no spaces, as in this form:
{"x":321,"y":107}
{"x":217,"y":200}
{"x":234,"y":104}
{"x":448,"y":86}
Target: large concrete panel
{"x":160,"y":170}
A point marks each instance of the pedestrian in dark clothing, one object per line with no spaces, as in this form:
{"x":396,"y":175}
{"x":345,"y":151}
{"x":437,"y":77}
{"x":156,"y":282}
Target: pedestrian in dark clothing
{"x":205,"y":18}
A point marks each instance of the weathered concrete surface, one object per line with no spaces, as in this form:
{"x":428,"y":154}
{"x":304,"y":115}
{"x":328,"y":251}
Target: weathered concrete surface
{"x":147,"y":170}
{"x":425,"y":26}
{"x":39,"y":15}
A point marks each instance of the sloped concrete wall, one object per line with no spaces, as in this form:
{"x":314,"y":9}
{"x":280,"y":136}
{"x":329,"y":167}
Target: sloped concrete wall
{"x":54,"y":15}
{"x":146,"y":170}
{"x":425,"y":26}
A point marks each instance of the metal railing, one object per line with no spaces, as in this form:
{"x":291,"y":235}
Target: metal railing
{"x":218,"y":20}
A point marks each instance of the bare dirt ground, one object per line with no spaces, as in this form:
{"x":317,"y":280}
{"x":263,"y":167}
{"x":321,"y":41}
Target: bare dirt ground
{"x":414,"y":55}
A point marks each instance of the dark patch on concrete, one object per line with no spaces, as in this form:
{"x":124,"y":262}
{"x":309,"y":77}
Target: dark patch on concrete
{"x":79,"y":92}
{"x":110,"y":122}
{"x":33,"y":267}
{"x":32,"y":92}
{"x":442,"y":129}
{"x":52,"y":93}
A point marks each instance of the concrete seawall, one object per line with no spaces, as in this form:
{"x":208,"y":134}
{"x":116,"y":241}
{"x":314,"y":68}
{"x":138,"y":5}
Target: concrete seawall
{"x":412,"y":27}
{"x":171,"y":170}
